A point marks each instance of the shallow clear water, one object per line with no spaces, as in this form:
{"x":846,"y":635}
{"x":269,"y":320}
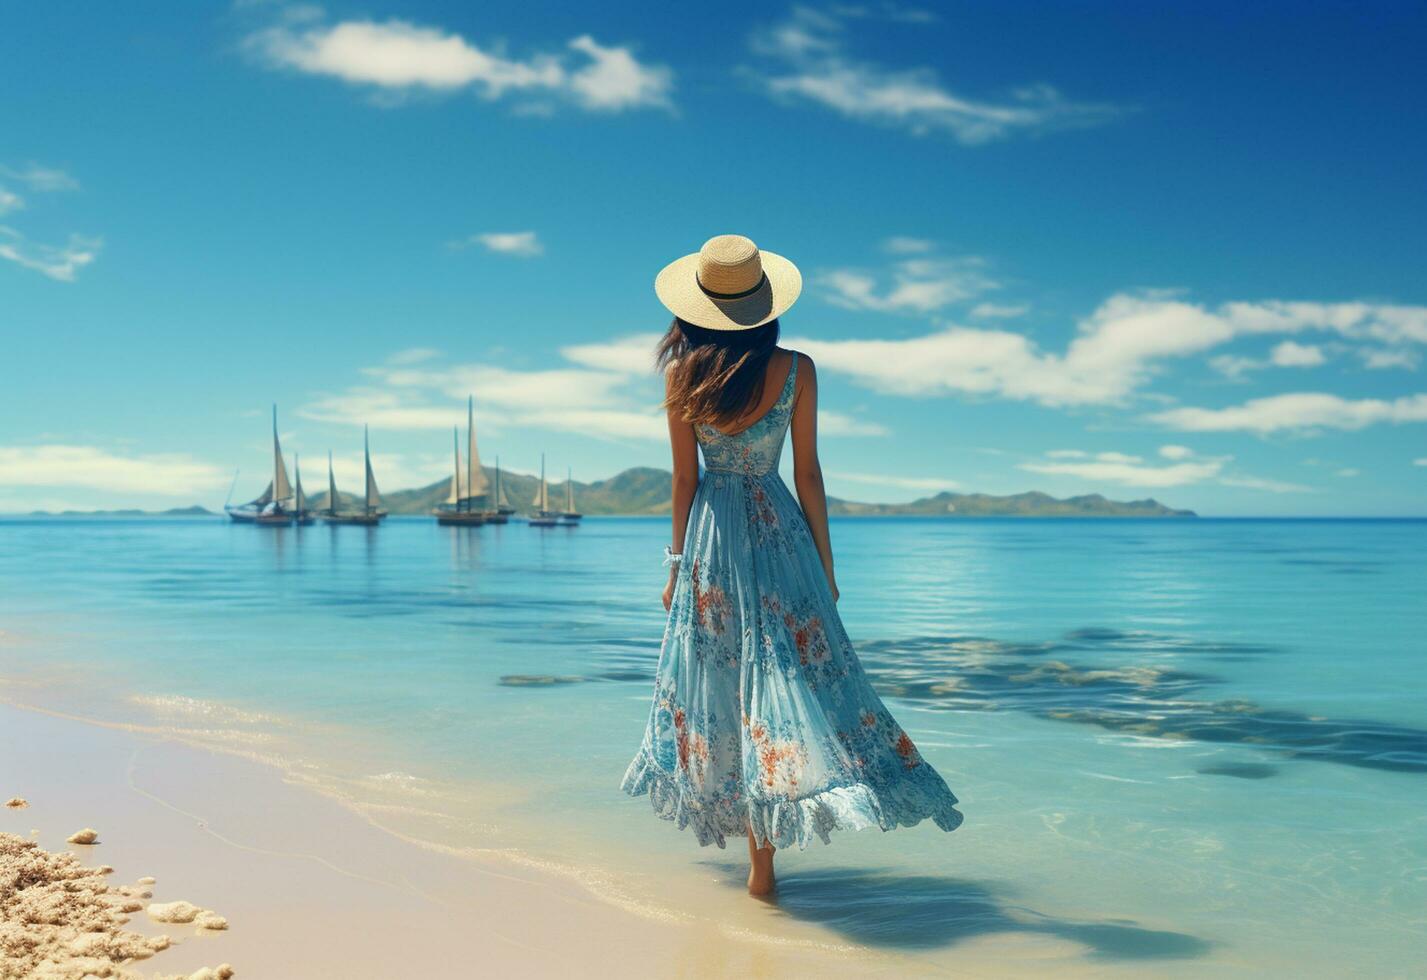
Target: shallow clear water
{"x":1179,"y":745}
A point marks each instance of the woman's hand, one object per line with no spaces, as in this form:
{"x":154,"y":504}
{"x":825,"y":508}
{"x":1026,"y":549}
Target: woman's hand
{"x":831,"y":579}
{"x":669,"y":591}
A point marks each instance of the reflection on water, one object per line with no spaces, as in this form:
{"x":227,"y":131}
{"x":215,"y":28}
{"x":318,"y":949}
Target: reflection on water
{"x":1147,"y":700}
{"x":977,"y":673}
{"x":911,"y":912}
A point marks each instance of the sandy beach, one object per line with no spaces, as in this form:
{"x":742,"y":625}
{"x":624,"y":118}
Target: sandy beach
{"x":307,"y":887}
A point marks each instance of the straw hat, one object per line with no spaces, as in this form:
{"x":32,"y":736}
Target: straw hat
{"x":729,"y":285}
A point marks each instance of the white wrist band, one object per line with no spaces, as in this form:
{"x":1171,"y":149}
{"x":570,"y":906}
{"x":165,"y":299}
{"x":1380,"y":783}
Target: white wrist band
{"x":672,"y":559}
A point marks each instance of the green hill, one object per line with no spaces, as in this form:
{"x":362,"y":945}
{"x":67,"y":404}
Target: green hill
{"x":645,"y":490}
{"x":1032,"y":504}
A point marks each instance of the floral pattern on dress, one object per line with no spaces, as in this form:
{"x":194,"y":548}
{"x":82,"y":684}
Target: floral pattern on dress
{"x":762,"y":716}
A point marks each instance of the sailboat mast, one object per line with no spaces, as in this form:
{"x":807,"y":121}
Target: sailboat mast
{"x":470,"y":451}
{"x":569,"y":491}
{"x":367,"y":457}
{"x":331,"y":486}
{"x":277,"y":458}
{"x":544,"y":492}
{"x":456,"y":471}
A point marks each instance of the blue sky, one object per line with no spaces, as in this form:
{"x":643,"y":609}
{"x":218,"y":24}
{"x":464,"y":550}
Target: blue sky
{"x":1117,"y":248}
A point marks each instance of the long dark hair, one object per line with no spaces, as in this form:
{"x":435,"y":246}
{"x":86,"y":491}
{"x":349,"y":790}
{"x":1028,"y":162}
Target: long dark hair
{"x":715,"y":376}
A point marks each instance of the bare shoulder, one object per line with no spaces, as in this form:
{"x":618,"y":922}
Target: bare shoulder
{"x":807,"y":371}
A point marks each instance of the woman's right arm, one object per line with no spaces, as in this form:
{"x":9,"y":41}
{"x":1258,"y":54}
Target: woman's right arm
{"x":685,"y":448}
{"x":807,"y":470}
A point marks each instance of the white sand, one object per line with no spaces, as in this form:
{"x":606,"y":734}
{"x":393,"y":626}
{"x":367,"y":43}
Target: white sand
{"x":309,"y":889}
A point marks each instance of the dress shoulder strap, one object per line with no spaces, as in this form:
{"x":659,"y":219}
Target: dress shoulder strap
{"x":791,"y":383}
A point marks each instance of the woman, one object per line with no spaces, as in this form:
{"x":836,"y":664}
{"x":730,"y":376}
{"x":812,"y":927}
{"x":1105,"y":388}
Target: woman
{"x":763,"y":722}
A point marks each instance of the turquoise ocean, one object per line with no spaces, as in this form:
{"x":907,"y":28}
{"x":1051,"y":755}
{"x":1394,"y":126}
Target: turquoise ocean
{"x":1183,"y":747}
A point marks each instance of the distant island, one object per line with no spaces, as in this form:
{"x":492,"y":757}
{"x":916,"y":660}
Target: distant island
{"x":194,"y":511}
{"x":645,"y":491}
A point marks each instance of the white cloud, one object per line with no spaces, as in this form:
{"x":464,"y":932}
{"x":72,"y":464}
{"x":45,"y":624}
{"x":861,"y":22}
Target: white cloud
{"x":810,"y":63}
{"x":397,"y":56}
{"x":837,"y":424}
{"x":906,"y":245}
{"x":58,"y":465}
{"x":522,"y":244}
{"x":59,"y":262}
{"x":1420,"y":461}
{"x":1382,"y":358}
{"x":1131,"y":472}
{"x":1116,"y":350}
{"x":1288,"y":353}
{"x":1185,"y":468}
{"x":633,"y":354}
{"x":1259,"y":483}
{"x":919,"y":285}
{"x":413,"y":355}
{"x":928,"y":483}
{"x":383,"y":409}
{"x":43,"y":179}
{"x":1296,"y":410}
{"x":594,"y":401}
{"x":1291,"y":354}
{"x":614,"y":80}
{"x":998,"y":311}
{"x":1348,"y":472}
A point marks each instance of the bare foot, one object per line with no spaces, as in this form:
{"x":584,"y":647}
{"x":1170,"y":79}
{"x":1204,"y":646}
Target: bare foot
{"x":761,"y":881}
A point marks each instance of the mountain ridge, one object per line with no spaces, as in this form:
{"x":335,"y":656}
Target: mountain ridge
{"x":644,"y":490}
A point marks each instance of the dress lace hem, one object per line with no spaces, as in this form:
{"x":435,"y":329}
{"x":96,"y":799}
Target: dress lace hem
{"x":784,"y":823}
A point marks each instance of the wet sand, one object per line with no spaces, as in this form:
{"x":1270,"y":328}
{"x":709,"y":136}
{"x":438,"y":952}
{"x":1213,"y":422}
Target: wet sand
{"x":308,"y":888}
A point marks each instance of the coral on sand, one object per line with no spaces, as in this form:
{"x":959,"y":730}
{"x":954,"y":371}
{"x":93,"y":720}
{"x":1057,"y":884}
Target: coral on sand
{"x":59,"y":919}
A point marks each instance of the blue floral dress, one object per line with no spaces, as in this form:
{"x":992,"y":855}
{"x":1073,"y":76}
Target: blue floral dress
{"x":762,"y":714}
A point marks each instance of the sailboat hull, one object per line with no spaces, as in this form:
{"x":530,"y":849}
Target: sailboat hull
{"x":544,"y":519}
{"x":497,"y":517}
{"x":360,"y":520}
{"x":460,"y":518}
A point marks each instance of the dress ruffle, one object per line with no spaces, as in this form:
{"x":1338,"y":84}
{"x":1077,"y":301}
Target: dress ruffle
{"x":786,"y":823}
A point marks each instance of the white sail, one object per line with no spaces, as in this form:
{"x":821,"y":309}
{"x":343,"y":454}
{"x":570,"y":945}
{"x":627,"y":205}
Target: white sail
{"x":374,"y":497}
{"x":331,"y":486}
{"x":542,"y":495}
{"x":476,"y":485}
{"x":281,"y":489}
{"x":266,"y":498}
{"x":297,"y":475}
{"x":453,"y":496}
{"x":500,"y":498}
{"x":569,"y":492}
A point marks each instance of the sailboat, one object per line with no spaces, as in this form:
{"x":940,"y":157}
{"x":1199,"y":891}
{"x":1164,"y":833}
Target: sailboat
{"x":543,"y":516}
{"x":371,"y":512}
{"x":503,"y":510}
{"x":302,"y":515}
{"x":270,"y":509}
{"x":570,"y":517}
{"x":456,"y":511}
{"x":332,"y":498}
